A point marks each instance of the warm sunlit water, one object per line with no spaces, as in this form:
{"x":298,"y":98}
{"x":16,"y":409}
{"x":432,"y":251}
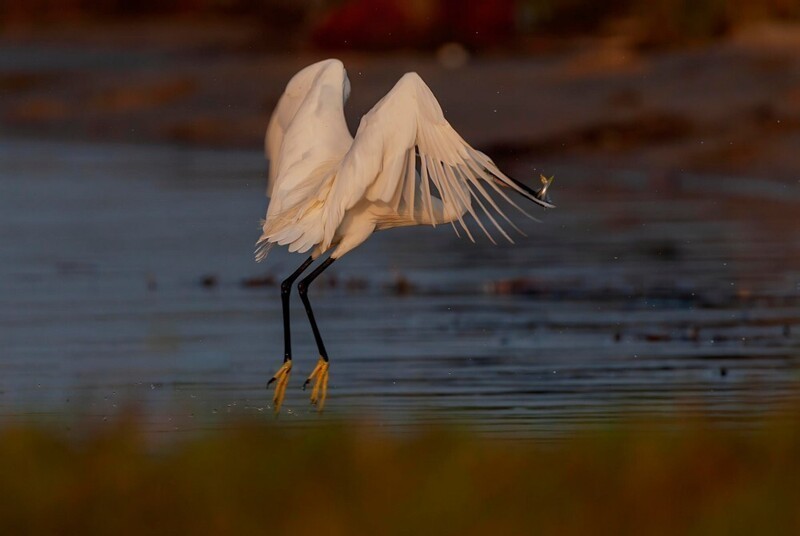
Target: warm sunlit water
{"x":635,"y":296}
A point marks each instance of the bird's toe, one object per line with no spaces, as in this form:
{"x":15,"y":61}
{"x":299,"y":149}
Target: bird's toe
{"x":320,"y":378}
{"x":281,"y":380}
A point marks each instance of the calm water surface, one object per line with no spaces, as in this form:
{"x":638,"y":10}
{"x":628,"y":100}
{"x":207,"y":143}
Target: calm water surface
{"x":122,"y":269}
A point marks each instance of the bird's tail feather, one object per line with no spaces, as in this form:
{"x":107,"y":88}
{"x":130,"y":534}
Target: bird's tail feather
{"x":296,"y":227}
{"x":263,"y":247}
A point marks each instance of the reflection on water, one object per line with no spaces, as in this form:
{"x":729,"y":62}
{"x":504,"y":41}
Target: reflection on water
{"x":121,"y":272}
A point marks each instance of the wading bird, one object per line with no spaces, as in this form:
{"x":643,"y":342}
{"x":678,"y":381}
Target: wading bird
{"x":329,"y":191}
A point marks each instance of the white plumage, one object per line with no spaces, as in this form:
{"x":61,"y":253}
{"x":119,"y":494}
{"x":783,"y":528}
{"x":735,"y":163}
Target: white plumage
{"x":330,"y":191}
{"x":405,"y":166}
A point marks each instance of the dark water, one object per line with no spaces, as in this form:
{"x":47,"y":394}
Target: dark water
{"x":638,"y":295}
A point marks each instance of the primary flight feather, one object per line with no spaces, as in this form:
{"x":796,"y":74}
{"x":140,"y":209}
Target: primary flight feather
{"x":405,"y":166}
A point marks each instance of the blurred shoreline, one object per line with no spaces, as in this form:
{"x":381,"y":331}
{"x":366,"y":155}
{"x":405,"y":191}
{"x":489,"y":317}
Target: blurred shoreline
{"x":653,"y":476}
{"x":729,"y":106}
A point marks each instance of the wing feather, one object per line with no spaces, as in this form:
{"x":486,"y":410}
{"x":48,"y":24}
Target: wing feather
{"x":407,"y":155}
{"x":307,"y":134}
{"x":306,"y":138}
{"x":410,"y":182}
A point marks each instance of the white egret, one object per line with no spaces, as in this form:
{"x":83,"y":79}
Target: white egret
{"x":330,"y":191}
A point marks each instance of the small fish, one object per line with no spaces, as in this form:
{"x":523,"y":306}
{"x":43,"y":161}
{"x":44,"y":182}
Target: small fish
{"x":541,"y":193}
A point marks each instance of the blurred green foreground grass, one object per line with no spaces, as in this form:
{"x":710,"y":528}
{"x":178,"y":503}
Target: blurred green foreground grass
{"x":662,"y":476}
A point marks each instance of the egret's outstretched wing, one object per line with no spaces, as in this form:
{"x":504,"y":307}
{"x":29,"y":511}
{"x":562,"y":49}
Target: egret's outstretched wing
{"x":307,"y":130}
{"x":407,"y":155}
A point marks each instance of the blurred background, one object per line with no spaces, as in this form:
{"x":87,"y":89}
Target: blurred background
{"x":631,"y":365}
{"x":132,"y":182}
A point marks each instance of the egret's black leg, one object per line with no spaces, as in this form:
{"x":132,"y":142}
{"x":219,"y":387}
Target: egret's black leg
{"x":302,"y":289}
{"x":286,"y":290}
{"x":282,"y":376}
{"x":320,"y":372}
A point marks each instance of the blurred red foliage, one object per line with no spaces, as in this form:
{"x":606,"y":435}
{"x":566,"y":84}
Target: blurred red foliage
{"x":368,"y":24}
{"x":479,"y":23}
{"x":383,"y":24}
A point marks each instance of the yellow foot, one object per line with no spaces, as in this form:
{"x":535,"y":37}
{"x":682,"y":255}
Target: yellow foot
{"x":282,"y":377}
{"x":320,"y":377}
